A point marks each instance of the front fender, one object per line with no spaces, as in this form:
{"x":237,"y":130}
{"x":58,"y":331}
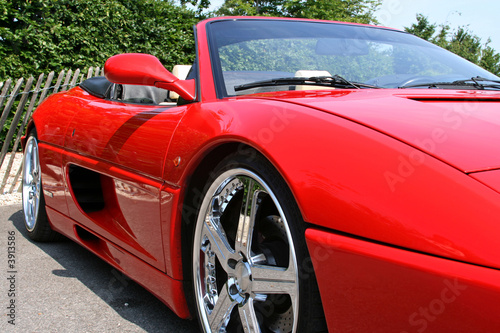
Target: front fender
{"x":350,"y":178}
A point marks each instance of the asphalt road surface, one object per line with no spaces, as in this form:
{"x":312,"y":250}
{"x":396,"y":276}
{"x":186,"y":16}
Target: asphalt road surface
{"x":61,"y":287}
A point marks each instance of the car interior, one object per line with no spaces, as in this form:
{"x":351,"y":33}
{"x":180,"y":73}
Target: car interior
{"x":100,"y":87}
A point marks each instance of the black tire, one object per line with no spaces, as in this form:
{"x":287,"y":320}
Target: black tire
{"x":35,"y":216}
{"x":249,"y":254}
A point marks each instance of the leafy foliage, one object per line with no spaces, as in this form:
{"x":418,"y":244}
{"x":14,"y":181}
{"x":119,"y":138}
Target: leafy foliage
{"x":201,"y":4}
{"x":290,"y":55}
{"x":461,"y":41}
{"x":423,"y":29}
{"x":252,"y":8}
{"x":39,"y":36}
{"x":361,"y":11}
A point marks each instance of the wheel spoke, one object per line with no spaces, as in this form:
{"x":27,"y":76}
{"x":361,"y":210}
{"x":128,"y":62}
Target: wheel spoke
{"x":35,"y":203}
{"x":249,"y":251}
{"x":248,"y":317}
{"x":28,"y":165}
{"x":32,"y":211}
{"x":219,"y":316}
{"x":246,"y":221}
{"x":34,"y":161}
{"x":218,"y":240}
{"x":274,"y":280}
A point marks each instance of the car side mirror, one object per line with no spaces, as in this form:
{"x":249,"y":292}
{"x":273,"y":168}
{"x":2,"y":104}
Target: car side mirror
{"x":146,"y":70}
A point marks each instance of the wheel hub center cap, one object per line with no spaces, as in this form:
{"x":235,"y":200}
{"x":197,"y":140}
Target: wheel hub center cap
{"x":240,"y":282}
{"x":243,"y":276}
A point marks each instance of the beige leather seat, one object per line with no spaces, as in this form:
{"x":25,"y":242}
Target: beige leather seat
{"x":308,"y":73}
{"x":181,"y":71}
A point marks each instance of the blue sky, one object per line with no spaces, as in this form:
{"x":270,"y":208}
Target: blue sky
{"x":480,"y":16}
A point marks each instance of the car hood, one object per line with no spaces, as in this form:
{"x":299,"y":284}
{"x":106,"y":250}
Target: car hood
{"x":461,"y":128}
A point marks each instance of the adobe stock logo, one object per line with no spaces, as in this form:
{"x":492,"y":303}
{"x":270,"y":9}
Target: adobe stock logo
{"x":448,"y":126}
{"x":426,"y":315}
{"x":277,"y":123}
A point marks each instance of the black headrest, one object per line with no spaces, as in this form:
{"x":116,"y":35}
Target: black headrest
{"x":97,"y":86}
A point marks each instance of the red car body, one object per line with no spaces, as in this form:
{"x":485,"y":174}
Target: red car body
{"x":399,"y":190}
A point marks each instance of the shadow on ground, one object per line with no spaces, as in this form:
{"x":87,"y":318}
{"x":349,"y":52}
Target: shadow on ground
{"x":128,"y":299}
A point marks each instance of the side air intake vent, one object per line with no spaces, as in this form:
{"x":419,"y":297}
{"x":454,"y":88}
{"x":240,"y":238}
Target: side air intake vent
{"x":87,"y":188}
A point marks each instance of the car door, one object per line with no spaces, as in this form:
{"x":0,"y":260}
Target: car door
{"x":113,"y":162}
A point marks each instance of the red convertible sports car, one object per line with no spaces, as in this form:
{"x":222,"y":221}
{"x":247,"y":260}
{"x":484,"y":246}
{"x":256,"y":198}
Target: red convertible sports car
{"x":300,"y":176}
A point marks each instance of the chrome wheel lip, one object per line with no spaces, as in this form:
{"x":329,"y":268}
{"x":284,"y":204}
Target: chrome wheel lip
{"x":245,"y":305}
{"x":32,"y":184}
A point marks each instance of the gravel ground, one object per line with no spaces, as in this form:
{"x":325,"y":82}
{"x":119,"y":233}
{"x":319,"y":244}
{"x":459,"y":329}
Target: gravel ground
{"x":10,"y":198}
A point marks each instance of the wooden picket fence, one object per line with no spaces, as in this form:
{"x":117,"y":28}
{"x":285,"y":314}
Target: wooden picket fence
{"x":27,"y":95}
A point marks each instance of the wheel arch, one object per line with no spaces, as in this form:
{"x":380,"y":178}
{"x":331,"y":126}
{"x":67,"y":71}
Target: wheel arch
{"x":203,"y":173}
{"x":191,"y":197}
{"x":29,"y":127}
{"x":200,"y":172}
{"x":192,"y":194}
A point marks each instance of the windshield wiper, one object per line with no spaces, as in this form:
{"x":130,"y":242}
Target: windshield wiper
{"x":336,"y":81}
{"x":478,"y":79}
{"x":472,"y":82}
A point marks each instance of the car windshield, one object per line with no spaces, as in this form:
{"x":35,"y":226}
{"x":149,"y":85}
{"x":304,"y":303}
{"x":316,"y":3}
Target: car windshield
{"x":261,"y":55}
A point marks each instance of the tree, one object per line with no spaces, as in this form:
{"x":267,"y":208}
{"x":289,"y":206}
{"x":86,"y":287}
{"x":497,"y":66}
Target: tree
{"x":490,"y":59}
{"x":423,"y":28}
{"x":361,"y":11}
{"x":252,"y":8}
{"x":466,"y":45}
{"x":200,"y":5}
{"x":39,"y":36}
{"x":461,"y":42}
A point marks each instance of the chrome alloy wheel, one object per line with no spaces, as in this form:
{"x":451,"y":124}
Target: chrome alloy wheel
{"x":32,"y":183}
{"x":244,"y":262}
